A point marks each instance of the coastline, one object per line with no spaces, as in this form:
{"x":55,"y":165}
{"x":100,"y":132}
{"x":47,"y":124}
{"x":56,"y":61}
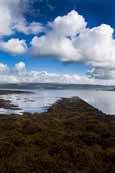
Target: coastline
{"x":6,"y":104}
{"x":72,"y":136}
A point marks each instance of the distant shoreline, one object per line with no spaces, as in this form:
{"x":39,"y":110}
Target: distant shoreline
{"x":12,"y":91}
{"x":30,"y":86}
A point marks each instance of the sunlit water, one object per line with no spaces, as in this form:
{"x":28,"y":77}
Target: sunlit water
{"x":39,"y":100}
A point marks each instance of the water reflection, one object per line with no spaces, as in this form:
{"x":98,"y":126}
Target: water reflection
{"x":40,"y":99}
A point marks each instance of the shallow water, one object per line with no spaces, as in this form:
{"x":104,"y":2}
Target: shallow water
{"x":39,"y":100}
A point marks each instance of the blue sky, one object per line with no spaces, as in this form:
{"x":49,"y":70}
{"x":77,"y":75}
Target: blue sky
{"x":41,"y":12}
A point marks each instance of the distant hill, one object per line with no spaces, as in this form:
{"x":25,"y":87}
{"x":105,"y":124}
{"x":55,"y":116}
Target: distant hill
{"x":30,"y":86}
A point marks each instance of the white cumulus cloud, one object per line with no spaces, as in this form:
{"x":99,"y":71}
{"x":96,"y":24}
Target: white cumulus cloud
{"x":20,"y":67}
{"x":12,"y":19}
{"x":52,"y":45}
{"x":9,"y":11}
{"x":14,"y":46}
{"x":28,"y":28}
{"x":69,"y":39}
{"x":3,"y":68}
{"x":68,"y":25}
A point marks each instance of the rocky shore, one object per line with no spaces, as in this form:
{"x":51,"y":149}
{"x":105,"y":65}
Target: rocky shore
{"x":6,"y":104}
{"x":71,"y":137}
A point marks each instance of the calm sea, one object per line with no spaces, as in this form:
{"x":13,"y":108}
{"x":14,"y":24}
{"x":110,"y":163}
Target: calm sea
{"x":40,"y":99}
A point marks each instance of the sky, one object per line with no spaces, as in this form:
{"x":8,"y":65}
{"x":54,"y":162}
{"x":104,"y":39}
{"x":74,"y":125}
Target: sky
{"x":60,"y":42}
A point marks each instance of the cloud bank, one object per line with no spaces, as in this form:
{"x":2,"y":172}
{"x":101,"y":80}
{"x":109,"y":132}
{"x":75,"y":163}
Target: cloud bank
{"x":20,"y":73}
